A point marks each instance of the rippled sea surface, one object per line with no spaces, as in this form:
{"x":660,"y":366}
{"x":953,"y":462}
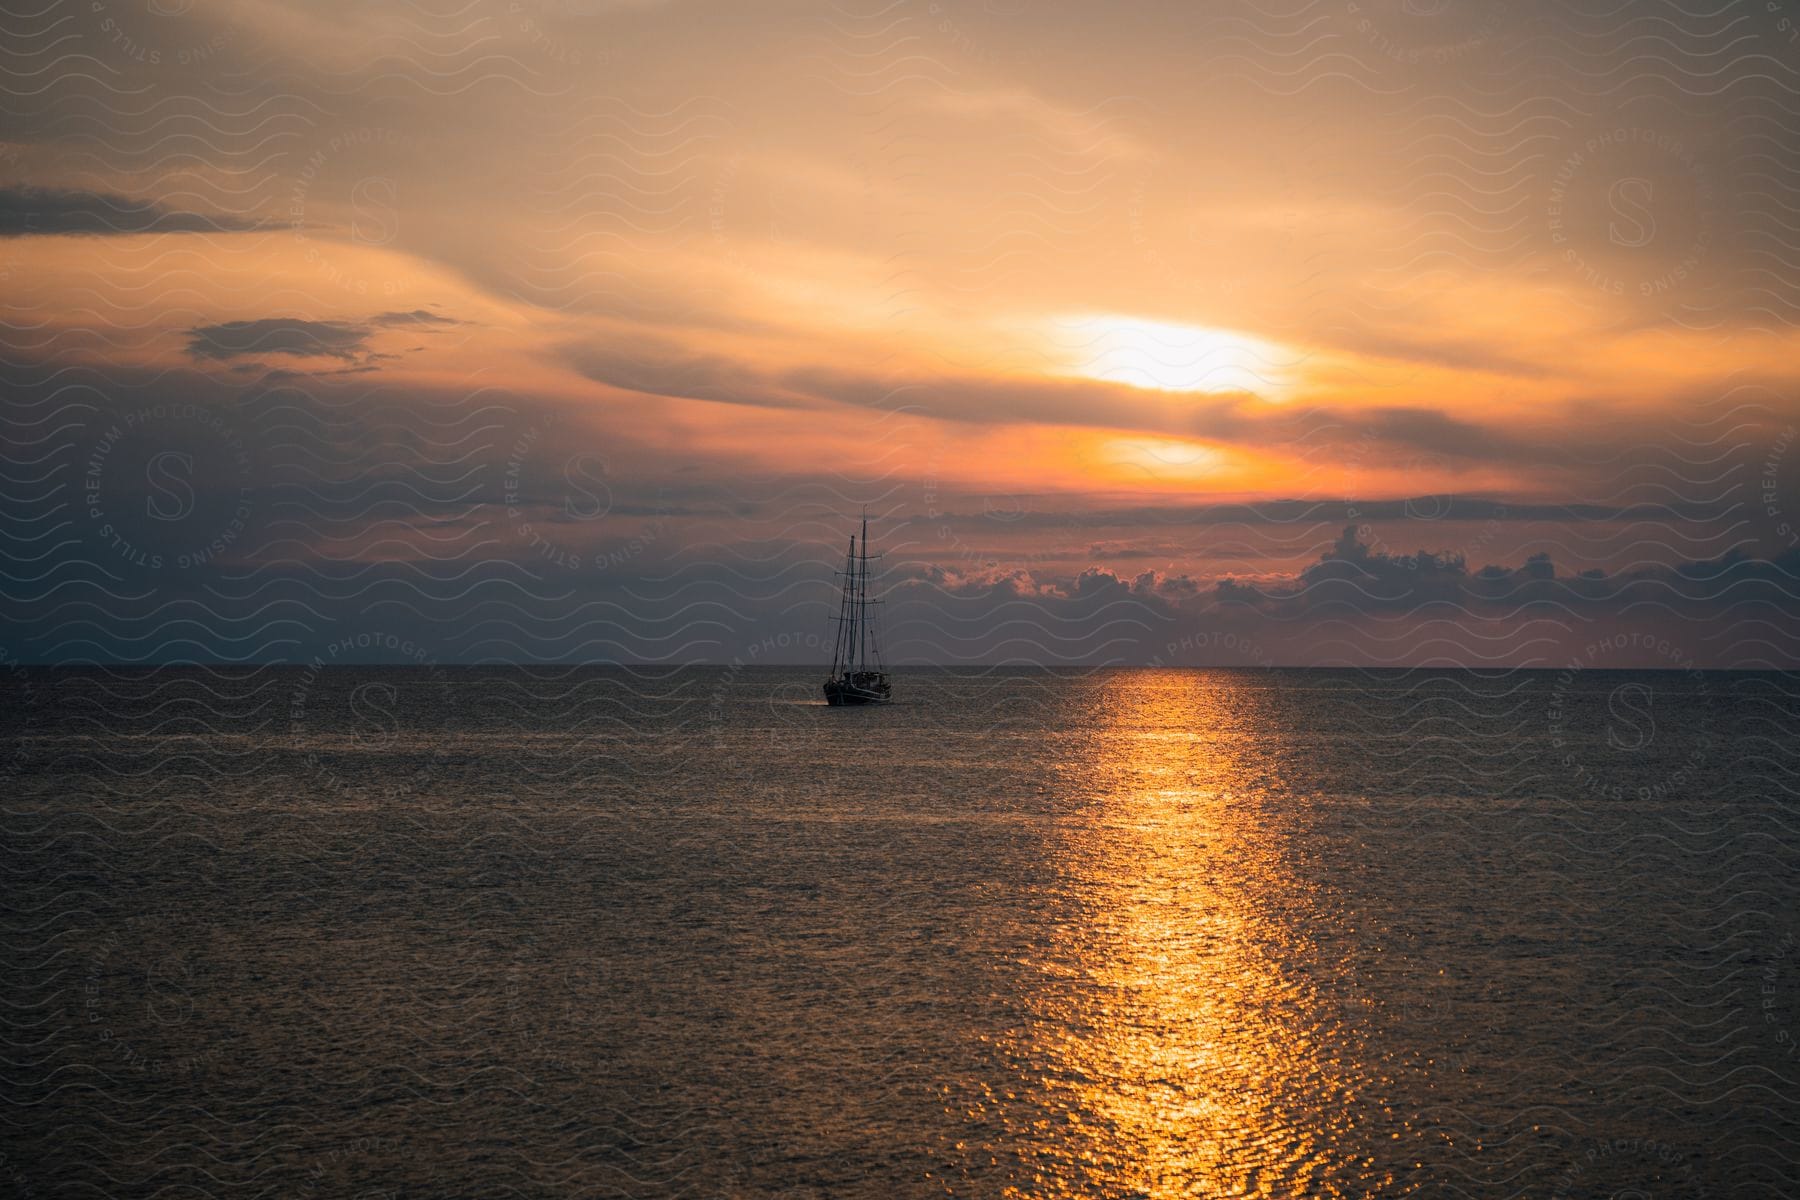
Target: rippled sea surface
{"x":604,"y":932}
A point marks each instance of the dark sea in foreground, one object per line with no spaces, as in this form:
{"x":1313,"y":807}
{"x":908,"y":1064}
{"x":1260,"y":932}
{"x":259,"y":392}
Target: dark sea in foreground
{"x":441,"y":932}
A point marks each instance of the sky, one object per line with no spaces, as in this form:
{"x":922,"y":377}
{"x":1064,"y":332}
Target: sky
{"x":1314,"y":332}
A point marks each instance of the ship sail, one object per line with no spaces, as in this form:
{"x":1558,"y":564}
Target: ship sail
{"x":854,"y":678}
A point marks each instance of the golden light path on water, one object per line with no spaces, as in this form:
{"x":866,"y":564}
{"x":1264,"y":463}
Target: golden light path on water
{"x":1185,"y":1060}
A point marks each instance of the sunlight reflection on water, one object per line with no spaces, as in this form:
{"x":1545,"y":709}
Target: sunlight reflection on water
{"x":1184,"y":1059}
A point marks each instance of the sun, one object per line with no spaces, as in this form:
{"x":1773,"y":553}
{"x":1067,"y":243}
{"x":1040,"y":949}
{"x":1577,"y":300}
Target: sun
{"x":1173,"y":358}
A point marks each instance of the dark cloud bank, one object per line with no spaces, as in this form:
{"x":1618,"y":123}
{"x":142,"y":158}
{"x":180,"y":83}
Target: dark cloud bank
{"x":313,"y":513}
{"x":51,"y":212}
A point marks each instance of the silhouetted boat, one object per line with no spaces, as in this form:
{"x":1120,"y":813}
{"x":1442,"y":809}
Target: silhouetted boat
{"x":852,"y":679}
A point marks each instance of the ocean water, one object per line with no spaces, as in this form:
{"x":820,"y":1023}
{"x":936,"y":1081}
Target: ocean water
{"x":439,"y":932}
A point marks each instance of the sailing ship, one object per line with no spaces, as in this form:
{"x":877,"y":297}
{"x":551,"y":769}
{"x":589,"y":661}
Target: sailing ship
{"x":853,"y":680}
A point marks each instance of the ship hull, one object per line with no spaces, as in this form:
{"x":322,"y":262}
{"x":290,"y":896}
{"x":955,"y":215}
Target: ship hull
{"x":838,"y":694}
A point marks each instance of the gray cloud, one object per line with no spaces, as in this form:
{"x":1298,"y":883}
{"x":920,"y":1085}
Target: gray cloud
{"x":279,"y":335}
{"x":46,"y":212}
{"x":1354,"y":578}
{"x":347,"y":341}
{"x":1296,"y":511}
{"x":417,"y":316}
{"x":1237,"y":417}
{"x":1436,"y":431}
{"x":1442,"y":351}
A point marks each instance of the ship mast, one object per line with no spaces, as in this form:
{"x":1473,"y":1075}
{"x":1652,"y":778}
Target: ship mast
{"x":855,"y":639}
{"x":840,"y":649}
{"x":852,"y":679}
{"x":862,"y":599}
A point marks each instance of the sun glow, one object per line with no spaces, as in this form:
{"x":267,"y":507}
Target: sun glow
{"x":1167,"y":460}
{"x":1174,"y":358}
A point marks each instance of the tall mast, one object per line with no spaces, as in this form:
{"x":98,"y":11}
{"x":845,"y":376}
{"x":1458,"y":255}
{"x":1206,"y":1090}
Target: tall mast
{"x":862,"y":597}
{"x":840,"y":650}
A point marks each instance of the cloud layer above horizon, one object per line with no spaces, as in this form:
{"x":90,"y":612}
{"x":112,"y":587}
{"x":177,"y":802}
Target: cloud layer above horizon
{"x":582,"y":330}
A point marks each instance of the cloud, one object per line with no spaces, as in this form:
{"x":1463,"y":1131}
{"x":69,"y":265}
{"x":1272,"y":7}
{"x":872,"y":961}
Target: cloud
{"x":662,"y":369}
{"x":279,"y":335}
{"x":417,"y":316}
{"x":1353,"y":577}
{"x":657,"y":367}
{"x":1443,"y":351}
{"x":347,"y":341}
{"x":49,"y":212}
{"x":1433,"y":430}
{"x":1052,"y":512}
